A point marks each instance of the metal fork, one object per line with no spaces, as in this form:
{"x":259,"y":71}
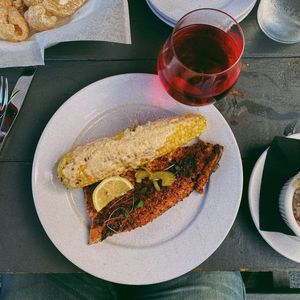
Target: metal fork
{"x":3,"y":97}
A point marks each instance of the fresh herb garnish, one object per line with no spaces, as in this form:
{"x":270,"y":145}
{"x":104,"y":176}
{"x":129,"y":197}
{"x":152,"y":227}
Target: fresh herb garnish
{"x":144,"y":190}
{"x":124,"y":212}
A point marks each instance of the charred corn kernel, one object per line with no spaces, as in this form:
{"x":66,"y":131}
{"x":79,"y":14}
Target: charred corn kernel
{"x":131,"y":149}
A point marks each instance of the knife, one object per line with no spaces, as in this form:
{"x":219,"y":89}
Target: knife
{"x":16,"y":100}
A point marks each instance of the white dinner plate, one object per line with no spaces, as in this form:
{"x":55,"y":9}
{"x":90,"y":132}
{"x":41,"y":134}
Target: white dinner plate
{"x":170,"y":11}
{"x":163,"y":18}
{"x":286,"y":245}
{"x":174,"y":243}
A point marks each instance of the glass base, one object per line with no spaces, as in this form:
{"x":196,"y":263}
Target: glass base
{"x":273,"y":37}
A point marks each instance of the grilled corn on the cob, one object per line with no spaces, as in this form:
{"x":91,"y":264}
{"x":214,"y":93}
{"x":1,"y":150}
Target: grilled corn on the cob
{"x":107,"y":157}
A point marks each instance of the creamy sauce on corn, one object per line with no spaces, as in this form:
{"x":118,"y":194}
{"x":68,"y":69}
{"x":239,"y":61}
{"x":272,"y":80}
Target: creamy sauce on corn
{"x":63,"y":2}
{"x":107,"y":157}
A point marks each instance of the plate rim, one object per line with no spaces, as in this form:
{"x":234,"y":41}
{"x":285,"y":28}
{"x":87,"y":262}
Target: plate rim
{"x":254,"y":214}
{"x":171,"y":21}
{"x":34,"y":170}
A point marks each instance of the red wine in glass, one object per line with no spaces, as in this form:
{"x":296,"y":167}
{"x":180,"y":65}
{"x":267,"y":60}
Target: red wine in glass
{"x":200,"y":62}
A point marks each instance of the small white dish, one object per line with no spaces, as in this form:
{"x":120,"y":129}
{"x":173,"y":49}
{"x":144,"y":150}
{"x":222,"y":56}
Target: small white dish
{"x":286,"y":203}
{"x":286,"y":245}
{"x":163,"y":18}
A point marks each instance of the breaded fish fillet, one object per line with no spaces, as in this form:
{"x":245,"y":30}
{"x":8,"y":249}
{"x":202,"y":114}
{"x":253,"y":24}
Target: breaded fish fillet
{"x":192,"y":167}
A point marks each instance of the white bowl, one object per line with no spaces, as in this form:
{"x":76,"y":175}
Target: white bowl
{"x":286,"y":203}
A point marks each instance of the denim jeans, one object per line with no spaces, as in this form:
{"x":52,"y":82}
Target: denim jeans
{"x":193,"y":285}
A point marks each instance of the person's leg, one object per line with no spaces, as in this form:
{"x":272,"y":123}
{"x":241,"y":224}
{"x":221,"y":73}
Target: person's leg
{"x":197,"y":285}
{"x":56,"y":287}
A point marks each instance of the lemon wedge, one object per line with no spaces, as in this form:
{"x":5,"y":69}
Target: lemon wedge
{"x":109,"y":189}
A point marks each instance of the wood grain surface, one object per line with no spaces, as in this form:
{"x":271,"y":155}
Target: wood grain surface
{"x":265,"y":99}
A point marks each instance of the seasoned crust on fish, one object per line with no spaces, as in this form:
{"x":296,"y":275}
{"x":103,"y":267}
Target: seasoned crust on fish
{"x":192,"y":167}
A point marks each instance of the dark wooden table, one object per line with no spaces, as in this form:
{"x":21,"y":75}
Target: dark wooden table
{"x":266,"y":99}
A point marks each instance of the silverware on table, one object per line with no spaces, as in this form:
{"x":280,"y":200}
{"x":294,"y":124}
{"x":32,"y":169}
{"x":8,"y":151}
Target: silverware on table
{"x":15,"y":103}
{"x":3,"y":98}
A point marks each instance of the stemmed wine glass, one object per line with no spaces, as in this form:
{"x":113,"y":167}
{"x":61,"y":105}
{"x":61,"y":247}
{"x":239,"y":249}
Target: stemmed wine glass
{"x":201,"y":60}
